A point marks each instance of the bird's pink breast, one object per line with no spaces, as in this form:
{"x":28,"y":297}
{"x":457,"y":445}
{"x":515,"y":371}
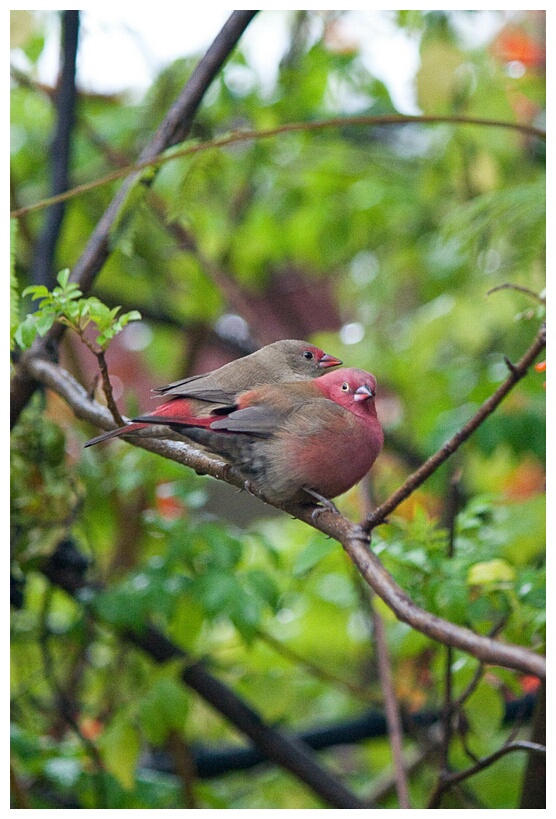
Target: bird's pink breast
{"x":330,"y":463}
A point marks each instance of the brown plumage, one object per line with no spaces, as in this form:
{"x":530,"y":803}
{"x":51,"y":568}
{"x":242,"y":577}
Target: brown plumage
{"x":295,"y":441}
{"x":199,"y":395}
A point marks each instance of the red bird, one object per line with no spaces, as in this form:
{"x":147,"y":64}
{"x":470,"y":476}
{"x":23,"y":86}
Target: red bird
{"x":199,"y":395}
{"x":296,"y":440}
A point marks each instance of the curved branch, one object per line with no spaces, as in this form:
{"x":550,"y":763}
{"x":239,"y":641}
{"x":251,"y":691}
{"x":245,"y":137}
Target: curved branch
{"x":174,"y":127}
{"x":517,"y":372}
{"x":349,"y":534}
{"x":286,"y":750}
{"x":455,"y":778}
{"x":291,"y":127}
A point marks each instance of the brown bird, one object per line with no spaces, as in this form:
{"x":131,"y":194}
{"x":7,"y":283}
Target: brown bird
{"x":199,"y":395}
{"x":295,"y":441}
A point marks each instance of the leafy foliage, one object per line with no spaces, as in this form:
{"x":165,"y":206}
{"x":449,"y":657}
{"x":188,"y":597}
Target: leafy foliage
{"x":64,"y":304}
{"x":391,"y":247}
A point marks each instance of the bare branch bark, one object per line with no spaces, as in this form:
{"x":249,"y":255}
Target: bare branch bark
{"x":395,"y":731}
{"x":175,"y":126}
{"x":386,"y":677}
{"x":517,"y":372}
{"x":173,"y":129}
{"x":287,"y":751}
{"x":533,"y":795}
{"x":292,"y":127}
{"x":66,"y":96}
{"x":450,"y":780}
{"x":349,"y":534}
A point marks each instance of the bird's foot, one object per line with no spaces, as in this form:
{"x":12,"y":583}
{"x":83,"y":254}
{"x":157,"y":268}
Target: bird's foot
{"x":248,"y":486}
{"x":327,"y":504}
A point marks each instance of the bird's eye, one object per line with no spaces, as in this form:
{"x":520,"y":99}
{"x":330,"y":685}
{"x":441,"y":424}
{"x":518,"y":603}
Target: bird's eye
{"x":308,"y":355}
{"x":345,"y":386}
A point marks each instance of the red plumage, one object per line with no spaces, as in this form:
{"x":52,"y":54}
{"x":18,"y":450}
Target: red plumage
{"x":194,"y":398}
{"x":297,"y":440}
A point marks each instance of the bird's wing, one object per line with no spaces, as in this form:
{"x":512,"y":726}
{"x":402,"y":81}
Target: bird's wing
{"x":260,"y":420}
{"x":177,"y":385}
{"x":215,"y":395}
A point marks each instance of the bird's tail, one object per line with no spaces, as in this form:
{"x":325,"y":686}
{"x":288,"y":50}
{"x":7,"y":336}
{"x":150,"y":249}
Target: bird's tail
{"x":114,"y":433}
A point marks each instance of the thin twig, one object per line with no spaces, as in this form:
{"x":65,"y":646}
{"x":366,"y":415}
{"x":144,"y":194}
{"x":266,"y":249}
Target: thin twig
{"x":386,"y":676}
{"x":452,"y":514}
{"x":347,"y":533}
{"x":533,"y":794}
{"x":292,"y":127}
{"x":517,"y":372}
{"x":107,"y":388}
{"x":520,"y":289}
{"x":175,"y":127}
{"x":455,"y":778}
{"x":415,"y":759}
{"x":393,"y":719}
{"x":60,"y":154}
{"x":185,"y":767}
{"x":319,"y":672}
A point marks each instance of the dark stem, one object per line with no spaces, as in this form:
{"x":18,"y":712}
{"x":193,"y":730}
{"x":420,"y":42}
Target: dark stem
{"x":455,"y":778}
{"x":451,"y":514}
{"x":175,"y":127}
{"x":243,"y":136}
{"x":533,"y":795}
{"x":340,"y":528}
{"x":107,"y":388}
{"x":395,"y":731}
{"x":44,"y":257}
{"x":285,"y":750}
{"x":386,"y":677}
{"x":517,"y":372}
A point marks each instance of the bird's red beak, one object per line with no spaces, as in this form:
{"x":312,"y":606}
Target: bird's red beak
{"x":329,"y":361}
{"x":363,"y":393}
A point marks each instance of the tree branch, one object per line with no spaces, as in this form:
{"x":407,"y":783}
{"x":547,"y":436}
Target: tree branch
{"x":349,"y":534}
{"x":533,"y":794}
{"x":395,"y":731}
{"x":386,"y":677}
{"x":66,"y":96}
{"x":287,"y":751}
{"x":175,"y":126}
{"x":449,"y":780}
{"x":291,"y":127}
{"x":517,"y":372}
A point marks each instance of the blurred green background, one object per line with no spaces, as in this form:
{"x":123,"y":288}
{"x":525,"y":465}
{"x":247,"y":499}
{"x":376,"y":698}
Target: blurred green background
{"x":380,"y":244}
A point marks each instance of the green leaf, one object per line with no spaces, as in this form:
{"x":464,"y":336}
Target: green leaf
{"x":63,"y":277}
{"x":123,"y":233}
{"x":44,"y":321}
{"x":14,"y":293}
{"x":246,"y":613}
{"x":37,"y":291}
{"x":485,"y":710}
{"x":264,"y":586}
{"x":316,"y":551}
{"x":525,"y":524}
{"x":119,"y":747}
{"x":490,"y":573}
{"x":216,"y":589}
{"x":163,"y":710}
{"x":26,"y":332}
